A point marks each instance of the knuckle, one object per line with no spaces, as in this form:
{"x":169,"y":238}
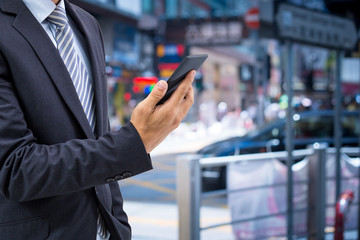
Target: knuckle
{"x":183,"y":87}
{"x":169,"y":114}
{"x":184,"y":90}
{"x":176,"y":123}
{"x":173,"y":113}
{"x":157,"y":94}
{"x":141,"y":107}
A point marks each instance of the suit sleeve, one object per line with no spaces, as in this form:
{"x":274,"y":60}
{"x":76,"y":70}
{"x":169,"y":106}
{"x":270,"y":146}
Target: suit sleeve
{"x":31,"y":171}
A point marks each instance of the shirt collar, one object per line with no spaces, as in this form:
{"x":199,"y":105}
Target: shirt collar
{"x":42,"y":9}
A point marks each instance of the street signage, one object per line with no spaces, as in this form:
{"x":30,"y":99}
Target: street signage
{"x":252,"y":18}
{"x":314,"y":27}
{"x":214,"y":33}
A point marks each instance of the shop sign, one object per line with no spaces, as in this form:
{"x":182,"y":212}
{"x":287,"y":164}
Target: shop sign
{"x":170,"y":50}
{"x":169,"y":58}
{"x":214,"y":33}
{"x":315,"y":28}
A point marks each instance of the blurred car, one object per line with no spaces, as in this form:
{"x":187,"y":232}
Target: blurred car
{"x":309,"y":127}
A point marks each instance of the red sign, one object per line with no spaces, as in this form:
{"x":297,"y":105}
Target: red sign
{"x":145,"y":80}
{"x":144,"y":84}
{"x":252,"y":18}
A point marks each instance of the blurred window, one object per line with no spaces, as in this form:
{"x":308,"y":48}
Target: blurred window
{"x":171,"y":8}
{"x":323,"y":127}
{"x":133,"y":7}
{"x":351,"y":126}
{"x":314,"y":127}
{"x":277,"y":132}
{"x":147,"y":7}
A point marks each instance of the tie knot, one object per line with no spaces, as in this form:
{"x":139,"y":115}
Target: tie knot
{"x":58,"y":17}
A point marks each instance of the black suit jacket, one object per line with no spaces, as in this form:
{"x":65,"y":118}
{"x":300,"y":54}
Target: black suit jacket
{"x":54,"y":173}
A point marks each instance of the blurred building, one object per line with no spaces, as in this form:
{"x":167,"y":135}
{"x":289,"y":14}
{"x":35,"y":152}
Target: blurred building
{"x":245,"y":68}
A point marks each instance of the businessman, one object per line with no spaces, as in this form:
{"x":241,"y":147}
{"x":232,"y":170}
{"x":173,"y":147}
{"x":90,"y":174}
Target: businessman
{"x":59,"y":164}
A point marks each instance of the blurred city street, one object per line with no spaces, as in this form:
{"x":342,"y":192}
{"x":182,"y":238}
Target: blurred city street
{"x":249,"y":110}
{"x":150,"y":198}
{"x":275,"y":123}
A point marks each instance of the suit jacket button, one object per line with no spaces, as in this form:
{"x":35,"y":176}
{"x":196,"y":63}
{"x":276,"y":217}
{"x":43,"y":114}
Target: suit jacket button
{"x":119,"y":177}
{"x":126,"y":174}
{"x":110,"y":179}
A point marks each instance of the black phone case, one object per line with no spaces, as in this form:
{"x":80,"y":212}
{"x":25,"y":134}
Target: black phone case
{"x":192,"y":62}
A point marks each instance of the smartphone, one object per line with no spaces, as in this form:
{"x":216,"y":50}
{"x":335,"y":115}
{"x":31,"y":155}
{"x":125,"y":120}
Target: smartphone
{"x":191,"y":62}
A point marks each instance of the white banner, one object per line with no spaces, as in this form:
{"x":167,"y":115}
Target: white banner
{"x":254,"y":202}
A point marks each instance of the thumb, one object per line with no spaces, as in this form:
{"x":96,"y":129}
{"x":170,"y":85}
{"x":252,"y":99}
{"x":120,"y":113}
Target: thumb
{"x":157,"y":93}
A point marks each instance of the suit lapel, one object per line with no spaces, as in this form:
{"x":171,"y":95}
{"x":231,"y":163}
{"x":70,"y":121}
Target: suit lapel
{"x":95,"y":51}
{"x":32,"y":31}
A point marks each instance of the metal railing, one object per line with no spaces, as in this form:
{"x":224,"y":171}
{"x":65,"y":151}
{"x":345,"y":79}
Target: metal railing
{"x":189,"y":189}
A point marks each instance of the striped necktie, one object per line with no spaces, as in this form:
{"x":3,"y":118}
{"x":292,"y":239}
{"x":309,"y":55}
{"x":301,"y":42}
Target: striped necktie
{"x":65,"y":41}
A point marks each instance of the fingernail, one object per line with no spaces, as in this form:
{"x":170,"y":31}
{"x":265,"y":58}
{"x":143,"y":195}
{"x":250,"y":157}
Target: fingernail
{"x":161,"y":85}
{"x":193,"y":73}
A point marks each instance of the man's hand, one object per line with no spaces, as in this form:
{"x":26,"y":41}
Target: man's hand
{"x":155,"y":123}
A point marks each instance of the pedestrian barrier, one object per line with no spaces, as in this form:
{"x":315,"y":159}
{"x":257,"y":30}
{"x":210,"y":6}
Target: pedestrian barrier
{"x":318,"y":210}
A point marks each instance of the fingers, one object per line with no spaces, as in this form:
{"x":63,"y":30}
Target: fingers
{"x":156,"y":94}
{"x":187,"y":102}
{"x":182,"y":91}
{"x":155,"y":123}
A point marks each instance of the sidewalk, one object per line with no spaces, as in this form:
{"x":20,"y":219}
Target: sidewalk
{"x":154,"y":221}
